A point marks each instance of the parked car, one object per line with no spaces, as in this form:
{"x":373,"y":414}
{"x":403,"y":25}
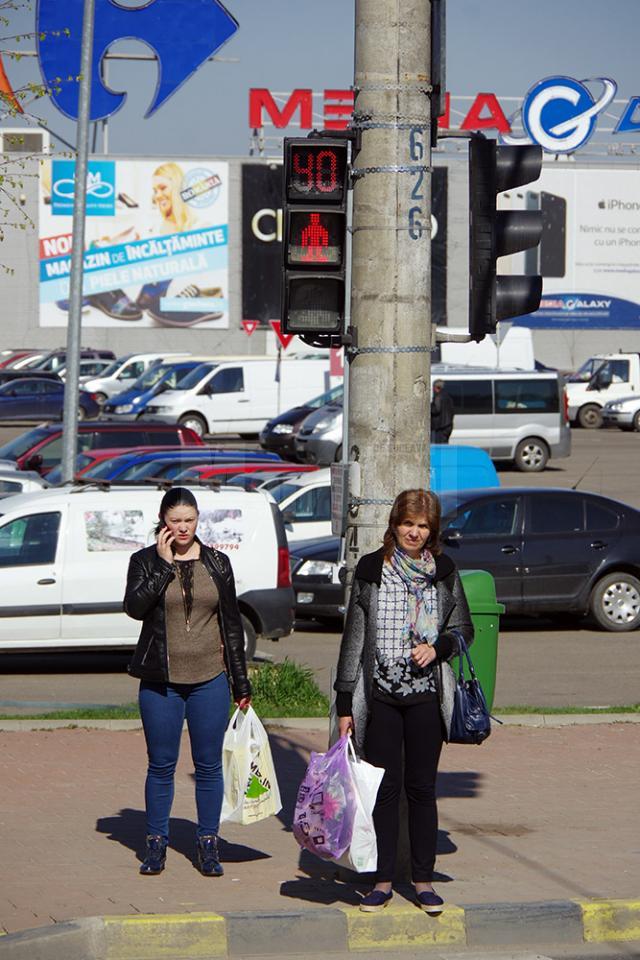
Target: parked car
{"x":90,"y":458}
{"x":623,"y":412}
{"x":64,"y":554}
{"x":239,"y":395}
{"x":514,"y":415}
{"x":305,"y":500}
{"x":30,"y":398}
{"x":550,"y":551}
{"x":267,"y":476}
{"x":123,"y":372}
{"x":88,"y":368}
{"x":8,"y":375}
{"x":54,"y":360}
{"x":235,"y":473}
{"x":135,"y":467}
{"x":41,"y":448}
{"x":315,"y":576}
{"x":278,"y":434}
{"x":132,"y":403}
{"x":13,"y":482}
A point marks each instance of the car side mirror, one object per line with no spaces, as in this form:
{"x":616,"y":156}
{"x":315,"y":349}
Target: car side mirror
{"x":34,"y":462}
{"x":288,"y":517}
{"x":451,"y":534}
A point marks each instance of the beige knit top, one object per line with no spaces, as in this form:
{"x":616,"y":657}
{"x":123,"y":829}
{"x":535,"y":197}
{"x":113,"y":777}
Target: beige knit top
{"x":194,"y":642}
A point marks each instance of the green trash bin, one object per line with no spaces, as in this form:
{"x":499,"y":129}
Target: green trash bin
{"x":480,"y":591}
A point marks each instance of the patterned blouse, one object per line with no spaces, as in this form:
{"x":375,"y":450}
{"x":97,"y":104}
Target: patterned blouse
{"x":395,"y":672}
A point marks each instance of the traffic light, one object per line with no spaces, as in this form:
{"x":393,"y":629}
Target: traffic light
{"x":495,"y":233}
{"x":315,"y":239}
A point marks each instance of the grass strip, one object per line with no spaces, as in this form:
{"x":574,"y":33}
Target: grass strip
{"x":279,"y":690}
{"x":512,"y":711}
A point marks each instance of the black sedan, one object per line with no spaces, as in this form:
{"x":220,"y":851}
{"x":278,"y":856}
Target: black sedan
{"x":315,"y":578}
{"x":550,"y":551}
{"x":278,"y":435}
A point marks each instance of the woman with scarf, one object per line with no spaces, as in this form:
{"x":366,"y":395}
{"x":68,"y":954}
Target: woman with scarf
{"x":406,"y":610}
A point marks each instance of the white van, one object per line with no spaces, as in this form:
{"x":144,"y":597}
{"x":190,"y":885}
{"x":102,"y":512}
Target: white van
{"x":64,"y":554}
{"x":122,"y":373}
{"x":239,"y":395}
{"x":516,"y":415}
{"x":305,"y":503}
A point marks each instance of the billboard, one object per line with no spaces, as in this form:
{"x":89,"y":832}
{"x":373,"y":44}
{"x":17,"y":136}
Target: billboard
{"x":589,"y":253}
{"x":156,"y":243}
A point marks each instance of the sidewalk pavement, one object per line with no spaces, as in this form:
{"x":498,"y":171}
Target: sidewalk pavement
{"x":538,"y":838}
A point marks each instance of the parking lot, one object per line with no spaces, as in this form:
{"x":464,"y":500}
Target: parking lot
{"x":542,"y":663}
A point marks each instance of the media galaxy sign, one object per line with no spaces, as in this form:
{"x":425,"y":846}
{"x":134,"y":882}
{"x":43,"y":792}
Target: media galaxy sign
{"x":559,"y":113}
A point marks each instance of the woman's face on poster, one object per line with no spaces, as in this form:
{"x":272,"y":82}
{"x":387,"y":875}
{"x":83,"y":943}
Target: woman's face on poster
{"x":163,"y":196}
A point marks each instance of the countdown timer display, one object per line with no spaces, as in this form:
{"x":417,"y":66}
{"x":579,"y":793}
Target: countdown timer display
{"x":316,"y":171}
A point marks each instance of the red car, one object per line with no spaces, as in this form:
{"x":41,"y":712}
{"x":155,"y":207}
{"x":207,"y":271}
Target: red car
{"x":88,"y":459}
{"x":225,"y":471}
{"x":41,"y":448}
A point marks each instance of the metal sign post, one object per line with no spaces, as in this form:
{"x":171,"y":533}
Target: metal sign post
{"x":74,"y":324}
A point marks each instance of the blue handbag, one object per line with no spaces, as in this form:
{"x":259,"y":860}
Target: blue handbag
{"x":471,"y":720}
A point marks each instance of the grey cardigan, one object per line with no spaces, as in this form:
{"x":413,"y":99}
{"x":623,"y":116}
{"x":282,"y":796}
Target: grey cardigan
{"x":356,"y":661}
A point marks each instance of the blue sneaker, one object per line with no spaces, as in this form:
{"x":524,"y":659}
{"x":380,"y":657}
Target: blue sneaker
{"x":430,"y":902}
{"x":375,"y":901}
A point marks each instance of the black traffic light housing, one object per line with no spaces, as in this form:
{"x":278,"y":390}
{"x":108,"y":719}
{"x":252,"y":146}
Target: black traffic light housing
{"x":495,"y":233}
{"x":314,"y":296}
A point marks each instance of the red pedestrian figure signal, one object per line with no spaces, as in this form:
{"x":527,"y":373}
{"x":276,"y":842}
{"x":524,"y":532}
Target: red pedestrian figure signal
{"x":314,"y":240}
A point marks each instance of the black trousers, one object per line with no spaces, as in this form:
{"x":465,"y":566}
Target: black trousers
{"x":417,"y":727}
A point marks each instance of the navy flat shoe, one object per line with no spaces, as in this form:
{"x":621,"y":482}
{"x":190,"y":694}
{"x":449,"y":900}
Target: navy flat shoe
{"x":430,"y":902}
{"x":375,"y":901}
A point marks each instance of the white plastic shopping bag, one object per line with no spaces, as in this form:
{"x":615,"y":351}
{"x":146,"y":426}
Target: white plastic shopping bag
{"x":250,"y":786}
{"x":362,"y":855}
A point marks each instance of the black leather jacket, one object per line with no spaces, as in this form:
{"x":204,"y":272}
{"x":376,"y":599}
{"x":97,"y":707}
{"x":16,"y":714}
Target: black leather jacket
{"x":147,"y":580}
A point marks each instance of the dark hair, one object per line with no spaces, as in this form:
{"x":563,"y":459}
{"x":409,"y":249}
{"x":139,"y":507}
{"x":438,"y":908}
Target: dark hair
{"x":176,"y":497}
{"x":407,"y":506}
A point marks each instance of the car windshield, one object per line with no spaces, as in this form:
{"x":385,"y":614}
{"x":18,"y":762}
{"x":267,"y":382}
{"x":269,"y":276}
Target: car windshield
{"x":193,"y":378}
{"x":82,"y":461}
{"x":150,"y":378}
{"x":150,"y":468}
{"x":19,"y":445}
{"x":105,"y":468}
{"x":112,"y":368}
{"x":283,"y":491}
{"x":329,"y":397}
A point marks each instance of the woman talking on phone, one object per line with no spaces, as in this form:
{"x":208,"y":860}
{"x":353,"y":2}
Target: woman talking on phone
{"x":190,"y":650}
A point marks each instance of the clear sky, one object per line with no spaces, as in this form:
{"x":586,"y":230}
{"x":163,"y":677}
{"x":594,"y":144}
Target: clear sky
{"x":502,"y":46}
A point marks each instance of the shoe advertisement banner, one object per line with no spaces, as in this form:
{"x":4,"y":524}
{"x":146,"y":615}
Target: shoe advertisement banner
{"x":589,"y":253}
{"x":156,"y":243}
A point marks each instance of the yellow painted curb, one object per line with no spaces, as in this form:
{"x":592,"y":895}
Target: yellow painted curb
{"x":610,"y":920}
{"x":403,"y":926}
{"x":154,"y":936}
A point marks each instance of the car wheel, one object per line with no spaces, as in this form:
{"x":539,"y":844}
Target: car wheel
{"x":531,"y":455}
{"x":636,"y":421}
{"x":590,"y":416}
{"x":615,"y":602}
{"x":81,"y":413}
{"x":250,"y":640}
{"x":195,"y":422}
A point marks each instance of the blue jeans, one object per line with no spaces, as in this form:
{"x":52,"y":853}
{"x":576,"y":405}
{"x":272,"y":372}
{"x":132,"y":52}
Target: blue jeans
{"x":163,"y":708}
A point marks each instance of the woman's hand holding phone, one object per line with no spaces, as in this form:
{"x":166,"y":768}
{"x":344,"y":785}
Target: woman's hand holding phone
{"x":164,"y":542}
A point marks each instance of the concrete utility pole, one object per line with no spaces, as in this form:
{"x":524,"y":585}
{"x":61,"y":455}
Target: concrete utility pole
{"x":390,"y":393}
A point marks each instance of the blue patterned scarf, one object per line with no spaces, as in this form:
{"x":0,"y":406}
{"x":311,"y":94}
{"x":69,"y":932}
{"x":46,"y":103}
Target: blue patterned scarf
{"x":417,"y":574}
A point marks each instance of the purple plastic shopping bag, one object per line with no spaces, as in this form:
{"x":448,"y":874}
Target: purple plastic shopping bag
{"x":326,"y":804}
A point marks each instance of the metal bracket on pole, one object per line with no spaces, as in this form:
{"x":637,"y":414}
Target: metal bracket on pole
{"x":420,"y":87}
{"x":358,"y":172}
{"x":355,"y":351}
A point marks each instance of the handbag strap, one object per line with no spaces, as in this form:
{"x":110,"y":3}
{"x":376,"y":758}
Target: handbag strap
{"x":463,"y":651}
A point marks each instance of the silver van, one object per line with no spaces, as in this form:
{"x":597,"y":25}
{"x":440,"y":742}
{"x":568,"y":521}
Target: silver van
{"x":514,"y":415}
